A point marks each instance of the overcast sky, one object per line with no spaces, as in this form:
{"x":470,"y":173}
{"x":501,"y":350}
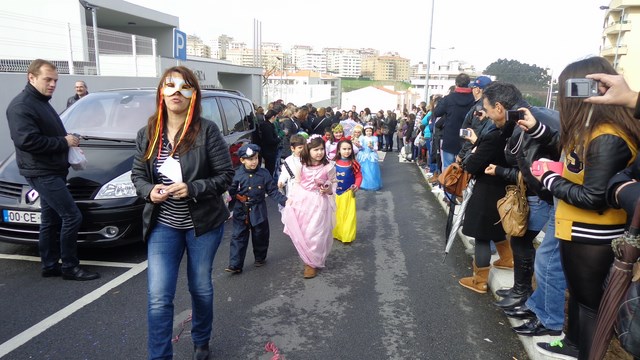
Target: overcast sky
{"x":548,"y":33}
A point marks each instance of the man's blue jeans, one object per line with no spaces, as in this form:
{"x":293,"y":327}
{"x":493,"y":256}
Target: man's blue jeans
{"x":547,"y":301}
{"x":166,"y":247}
{"x":59,"y":213}
{"x":447,"y":159}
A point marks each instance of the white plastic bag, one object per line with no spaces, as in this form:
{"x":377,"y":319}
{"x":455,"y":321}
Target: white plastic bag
{"x":77,"y":160}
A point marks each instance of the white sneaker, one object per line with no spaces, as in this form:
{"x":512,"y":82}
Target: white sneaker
{"x":429,"y":175}
{"x":436,"y":190}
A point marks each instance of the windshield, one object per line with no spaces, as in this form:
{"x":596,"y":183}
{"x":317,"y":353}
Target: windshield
{"x":117,"y":114}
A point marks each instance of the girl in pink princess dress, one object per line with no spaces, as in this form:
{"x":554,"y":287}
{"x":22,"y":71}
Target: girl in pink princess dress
{"x":310,"y":213}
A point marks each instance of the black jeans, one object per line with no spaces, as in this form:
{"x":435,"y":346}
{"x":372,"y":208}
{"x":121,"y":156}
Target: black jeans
{"x":59,"y":214}
{"x":586,"y":267}
{"x":388,"y":140}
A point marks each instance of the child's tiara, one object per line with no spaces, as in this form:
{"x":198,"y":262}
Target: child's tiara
{"x":314,"y":136}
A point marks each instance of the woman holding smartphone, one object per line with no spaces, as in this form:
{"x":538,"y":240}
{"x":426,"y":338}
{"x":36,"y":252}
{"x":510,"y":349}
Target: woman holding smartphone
{"x":597,"y":141}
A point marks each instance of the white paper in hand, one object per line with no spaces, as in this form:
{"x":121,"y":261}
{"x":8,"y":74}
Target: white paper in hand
{"x":171,"y":169}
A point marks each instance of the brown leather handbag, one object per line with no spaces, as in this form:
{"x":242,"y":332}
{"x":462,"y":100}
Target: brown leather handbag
{"x":514,"y":209}
{"x":454,"y":179}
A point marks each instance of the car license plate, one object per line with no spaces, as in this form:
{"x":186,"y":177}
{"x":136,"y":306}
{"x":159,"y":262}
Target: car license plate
{"x":21,"y":217}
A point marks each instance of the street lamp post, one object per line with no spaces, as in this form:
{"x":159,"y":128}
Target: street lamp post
{"x":94,"y":20}
{"x":428,"y":69}
{"x":550,"y":89}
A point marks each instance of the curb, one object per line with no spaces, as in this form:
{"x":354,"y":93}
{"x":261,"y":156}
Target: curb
{"x":498,"y":279}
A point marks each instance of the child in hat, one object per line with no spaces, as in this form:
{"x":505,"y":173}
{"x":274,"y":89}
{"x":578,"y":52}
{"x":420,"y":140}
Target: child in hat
{"x":248,"y":189}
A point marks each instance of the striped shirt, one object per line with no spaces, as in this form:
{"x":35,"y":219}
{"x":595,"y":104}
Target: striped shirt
{"x":173,"y":212}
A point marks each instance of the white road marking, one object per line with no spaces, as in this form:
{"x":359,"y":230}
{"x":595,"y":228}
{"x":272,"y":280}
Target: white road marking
{"x":83,"y":262}
{"x":55,"y":318}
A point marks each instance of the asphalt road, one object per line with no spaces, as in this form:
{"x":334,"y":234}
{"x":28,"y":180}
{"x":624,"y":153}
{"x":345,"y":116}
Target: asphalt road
{"x":386,"y":296}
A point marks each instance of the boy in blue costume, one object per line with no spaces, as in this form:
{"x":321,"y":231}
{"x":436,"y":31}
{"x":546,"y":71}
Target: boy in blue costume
{"x":248,"y":190}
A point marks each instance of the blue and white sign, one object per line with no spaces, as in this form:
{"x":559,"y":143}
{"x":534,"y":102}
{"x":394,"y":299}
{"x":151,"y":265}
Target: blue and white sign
{"x":179,"y":44}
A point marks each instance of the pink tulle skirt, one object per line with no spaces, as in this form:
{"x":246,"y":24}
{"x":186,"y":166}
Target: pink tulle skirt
{"x":309,"y":221}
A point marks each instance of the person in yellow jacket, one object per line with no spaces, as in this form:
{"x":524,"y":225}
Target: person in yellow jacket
{"x":597,"y":142}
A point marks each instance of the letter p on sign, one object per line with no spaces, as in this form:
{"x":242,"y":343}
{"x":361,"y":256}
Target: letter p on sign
{"x":179,"y":44}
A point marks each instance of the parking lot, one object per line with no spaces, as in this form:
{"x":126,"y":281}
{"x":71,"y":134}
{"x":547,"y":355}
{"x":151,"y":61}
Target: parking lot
{"x":40,"y":314}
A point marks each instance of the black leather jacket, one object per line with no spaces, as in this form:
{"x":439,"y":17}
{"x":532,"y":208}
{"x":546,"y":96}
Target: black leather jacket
{"x":606,"y":155}
{"x":521,"y":157}
{"x":206,"y":169}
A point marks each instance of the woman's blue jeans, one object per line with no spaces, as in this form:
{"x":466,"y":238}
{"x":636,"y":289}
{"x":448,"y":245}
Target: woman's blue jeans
{"x":547,"y":301}
{"x":166,"y":247}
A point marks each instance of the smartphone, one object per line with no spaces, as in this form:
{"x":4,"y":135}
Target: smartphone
{"x":581,"y":88}
{"x":465,"y":133}
{"x":515,"y":115}
{"x":555,"y":166}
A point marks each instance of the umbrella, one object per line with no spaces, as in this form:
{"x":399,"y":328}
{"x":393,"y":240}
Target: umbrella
{"x":627,"y":252}
{"x":458,"y":221}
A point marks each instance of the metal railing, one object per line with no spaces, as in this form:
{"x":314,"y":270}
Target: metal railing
{"x":71,"y":47}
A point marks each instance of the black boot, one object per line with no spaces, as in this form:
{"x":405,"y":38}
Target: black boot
{"x":522,"y":274}
{"x":201,"y":352}
{"x":504,"y":292}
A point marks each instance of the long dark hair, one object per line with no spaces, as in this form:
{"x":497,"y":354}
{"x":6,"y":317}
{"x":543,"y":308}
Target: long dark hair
{"x":156,"y":122}
{"x":354,"y":164}
{"x":337,"y":156}
{"x":312,"y":143}
{"x":576,"y":127}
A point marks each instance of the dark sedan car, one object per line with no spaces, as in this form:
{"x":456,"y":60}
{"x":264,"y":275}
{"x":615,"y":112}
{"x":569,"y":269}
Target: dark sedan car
{"x":108,"y":122}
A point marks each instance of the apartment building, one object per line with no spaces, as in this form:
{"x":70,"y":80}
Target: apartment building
{"x":347,"y":65}
{"x":620,"y":41}
{"x":441,"y":75}
{"x":313,"y":61}
{"x":298,"y":52}
{"x":197,"y":47}
{"x":388,"y":67}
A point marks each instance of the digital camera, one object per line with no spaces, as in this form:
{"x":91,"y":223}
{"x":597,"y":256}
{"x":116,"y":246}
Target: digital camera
{"x":581,"y":88}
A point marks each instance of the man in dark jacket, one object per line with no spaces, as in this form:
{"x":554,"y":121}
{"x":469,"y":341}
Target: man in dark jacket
{"x":392,"y":124}
{"x":81,"y":91}
{"x":454,"y":106}
{"x":42,"y":146}
{"x":291,"y":127}
{"x":269,"y":141}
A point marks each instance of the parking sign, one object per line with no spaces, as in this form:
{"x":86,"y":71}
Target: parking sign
{"x":179,"y":44}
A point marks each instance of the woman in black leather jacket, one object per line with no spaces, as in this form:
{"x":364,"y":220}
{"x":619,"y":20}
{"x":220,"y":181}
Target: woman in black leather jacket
{"x":597,"y":141}
{"x":181,"y":169}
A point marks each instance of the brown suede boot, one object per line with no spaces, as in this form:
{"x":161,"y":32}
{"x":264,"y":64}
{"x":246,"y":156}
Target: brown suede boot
{"x":506,"y":256}
{"x":477,"y":282}
{"x":309,"y":272}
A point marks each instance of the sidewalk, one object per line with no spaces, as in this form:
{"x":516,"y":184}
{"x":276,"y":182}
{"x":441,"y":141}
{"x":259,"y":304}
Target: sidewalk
{"x":499,"y":279}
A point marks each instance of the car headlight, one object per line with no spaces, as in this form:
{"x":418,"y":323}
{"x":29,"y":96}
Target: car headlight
{"x":120,"y":187}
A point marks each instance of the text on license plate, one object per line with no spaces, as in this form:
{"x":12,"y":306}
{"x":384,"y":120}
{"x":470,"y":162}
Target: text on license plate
{"x":22,"y":217}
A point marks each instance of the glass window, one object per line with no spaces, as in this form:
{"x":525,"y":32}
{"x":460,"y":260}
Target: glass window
{"x":211,"y":111}
{"x":249,"y":114}
{"x":110,"y":114}
{"x":234,"y":114}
